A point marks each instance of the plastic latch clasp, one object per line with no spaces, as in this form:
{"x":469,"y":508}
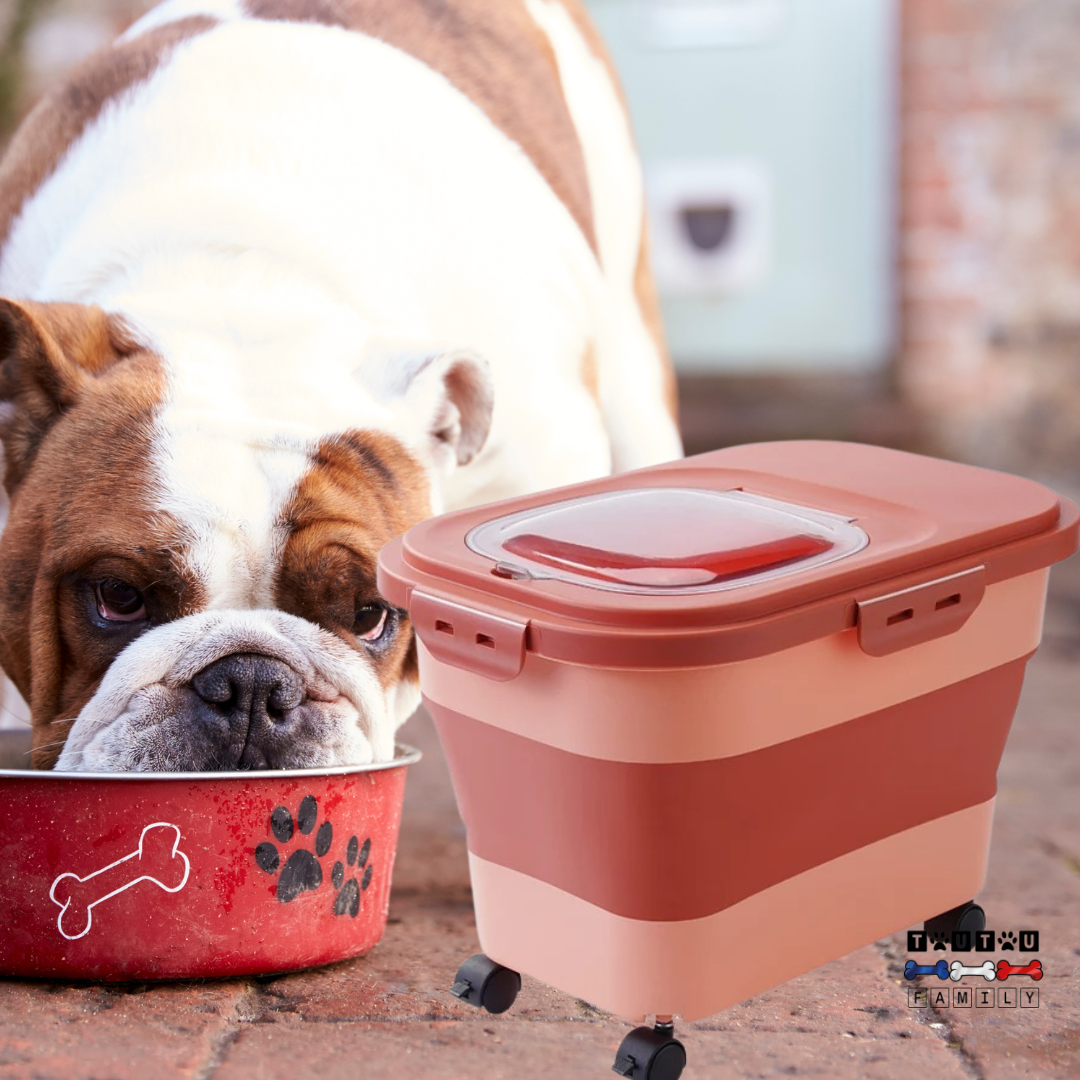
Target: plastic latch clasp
{"x":909,"y":617}
{"x":490,"y":645}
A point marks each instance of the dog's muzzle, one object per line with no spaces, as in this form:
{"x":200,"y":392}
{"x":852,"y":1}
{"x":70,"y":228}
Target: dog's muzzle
{"x":223,"y":690}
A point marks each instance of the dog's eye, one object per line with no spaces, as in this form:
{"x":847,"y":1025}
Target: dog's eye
{"x":370,"y":622}
{"x":119,"y":602}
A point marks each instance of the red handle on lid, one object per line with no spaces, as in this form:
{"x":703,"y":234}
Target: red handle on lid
{"x":701,"y":568}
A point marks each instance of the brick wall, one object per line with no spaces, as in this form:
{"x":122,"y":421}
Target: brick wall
{"x":990,"y":228}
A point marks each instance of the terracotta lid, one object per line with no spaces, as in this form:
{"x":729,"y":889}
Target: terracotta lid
{"x":726,"y":555}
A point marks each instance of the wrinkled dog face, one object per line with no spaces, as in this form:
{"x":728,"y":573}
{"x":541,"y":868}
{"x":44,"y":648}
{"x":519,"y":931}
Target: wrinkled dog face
{"x":237,"y":690}
{"x":151,"y":626}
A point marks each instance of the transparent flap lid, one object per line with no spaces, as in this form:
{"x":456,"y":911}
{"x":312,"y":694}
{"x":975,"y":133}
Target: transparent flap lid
{"x":660,"y":539}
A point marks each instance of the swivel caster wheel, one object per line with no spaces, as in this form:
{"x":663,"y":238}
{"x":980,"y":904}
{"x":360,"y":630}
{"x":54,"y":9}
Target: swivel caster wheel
{"x":485,"y":984}
{"x":650,"y":1054}
{"x":969,"y":917}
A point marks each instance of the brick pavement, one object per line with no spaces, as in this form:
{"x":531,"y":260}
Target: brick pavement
{"x":388,"y":1014}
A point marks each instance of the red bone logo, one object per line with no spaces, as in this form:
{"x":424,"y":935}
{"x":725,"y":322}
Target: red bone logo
{"x":1005,"y":969}
{"x":159,"y":860}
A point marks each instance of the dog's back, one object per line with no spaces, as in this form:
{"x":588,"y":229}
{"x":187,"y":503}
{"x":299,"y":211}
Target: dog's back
{"x":465,"y":169}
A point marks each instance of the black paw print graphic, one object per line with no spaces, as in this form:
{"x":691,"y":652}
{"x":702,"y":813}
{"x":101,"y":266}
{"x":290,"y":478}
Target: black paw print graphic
{"x":348,"y":899}
{"x":939,"y":939}
{"x":302,"y":871}
{"x":1007,"y":940}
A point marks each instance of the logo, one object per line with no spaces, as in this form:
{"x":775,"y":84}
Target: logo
{"x":981,"y":995}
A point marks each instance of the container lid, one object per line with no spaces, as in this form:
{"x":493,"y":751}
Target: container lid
{"x":720,"y":557}
{"x":670,"y":539}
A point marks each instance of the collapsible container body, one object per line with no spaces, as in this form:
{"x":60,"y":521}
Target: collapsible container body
{"x":715,"y":723}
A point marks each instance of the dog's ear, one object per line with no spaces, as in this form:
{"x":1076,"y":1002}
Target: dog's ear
{"x":444,"y":397}
{"x":47,"y":352}
{"x":453,"y":391}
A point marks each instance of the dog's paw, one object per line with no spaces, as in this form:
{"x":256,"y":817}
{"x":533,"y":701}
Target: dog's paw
{"x":302,"y":871}
{"x":348,"y":898}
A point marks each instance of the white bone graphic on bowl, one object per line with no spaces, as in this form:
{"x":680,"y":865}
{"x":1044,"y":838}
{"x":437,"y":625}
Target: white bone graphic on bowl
{"x":159,"y":861}
{"x":988,"y":971}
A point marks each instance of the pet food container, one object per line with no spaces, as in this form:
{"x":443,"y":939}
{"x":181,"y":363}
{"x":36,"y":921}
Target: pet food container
{"x":714,"y":723}
{"x":181,"y":875}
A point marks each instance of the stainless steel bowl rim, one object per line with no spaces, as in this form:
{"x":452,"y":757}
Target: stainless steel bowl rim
{"x":403,"y":755}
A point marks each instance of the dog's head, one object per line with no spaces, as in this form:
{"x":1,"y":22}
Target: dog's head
{"x":187,"y":574}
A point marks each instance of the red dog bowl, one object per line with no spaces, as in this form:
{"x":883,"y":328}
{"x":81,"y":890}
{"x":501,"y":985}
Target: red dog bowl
{"x":179,"y":875}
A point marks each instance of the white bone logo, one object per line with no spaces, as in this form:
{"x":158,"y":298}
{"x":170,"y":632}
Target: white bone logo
{"x":988,"y":971}
{"x":159,"y":861}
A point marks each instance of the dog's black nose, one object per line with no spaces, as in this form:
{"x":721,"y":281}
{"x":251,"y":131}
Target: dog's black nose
{"x":250,"y":701}
{"x":256,"y":685}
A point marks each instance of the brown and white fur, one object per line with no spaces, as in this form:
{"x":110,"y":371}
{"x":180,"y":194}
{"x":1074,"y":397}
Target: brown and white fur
{"x":270,"y":263}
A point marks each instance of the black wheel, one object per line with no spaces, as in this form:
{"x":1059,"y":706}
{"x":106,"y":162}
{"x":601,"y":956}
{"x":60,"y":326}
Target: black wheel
{"x":973,"y":919}
{"x":650,"y":1054}
{"x":967,"y":916}
{"x":485,"y":984}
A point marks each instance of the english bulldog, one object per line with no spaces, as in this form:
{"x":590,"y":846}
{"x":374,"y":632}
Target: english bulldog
{"x":282,"y":278}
